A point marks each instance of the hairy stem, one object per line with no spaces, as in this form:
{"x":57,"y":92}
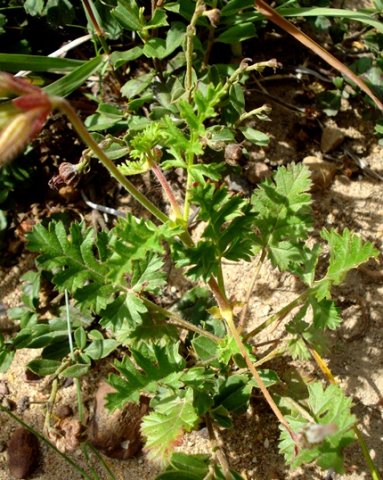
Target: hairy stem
{"x":227,"y":315}
{"x":64,"y":106}
{"x":168,"y":190}
{"x":177,"y":320}
{"x":73,"y":358}
{"x":280,"y":315}
{"x":216,"y":448}
{"x":245,"y":308}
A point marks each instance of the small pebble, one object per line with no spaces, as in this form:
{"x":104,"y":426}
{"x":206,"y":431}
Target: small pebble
{"x":4,"y":390}
{"x":331,"y":139}
{"x":23,"y":453}
{"x":23,"y":404}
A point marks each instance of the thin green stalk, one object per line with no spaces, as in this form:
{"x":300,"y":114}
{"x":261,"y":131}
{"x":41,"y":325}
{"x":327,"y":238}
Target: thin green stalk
{"x":190,"y":33}
{"x":280,"y":315}
{"x":50,"y":403}
{"x":178,"y":320}
{"x":100,"y":459}
{"x":97,"y":27}
{"x":47,"y":442}
{"x":216,"y":448}
{"x":227,"y":315}
{"x":189,"y":179}
{"x":73,"y":358}
{"x":64,"y":106}
{"x":168,"y":190}
{"x":187,"y":197}
{"x":220,"y":279}
{"x":245,"y":308}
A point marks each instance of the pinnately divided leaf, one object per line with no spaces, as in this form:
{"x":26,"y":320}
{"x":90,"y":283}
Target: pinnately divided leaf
{"x":71,"y":256}
{"x":228,"y":234}
{"x":347,"y":251}
{"x":162,"y":428}
{"x":283,"y":217}
{"x":328,"y":411}
{"x":144,"y":374}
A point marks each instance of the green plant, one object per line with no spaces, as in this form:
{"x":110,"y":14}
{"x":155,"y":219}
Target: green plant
{"x":115,"y":278}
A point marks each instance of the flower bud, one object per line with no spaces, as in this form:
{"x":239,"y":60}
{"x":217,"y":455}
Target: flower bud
{"x":22,"y":119}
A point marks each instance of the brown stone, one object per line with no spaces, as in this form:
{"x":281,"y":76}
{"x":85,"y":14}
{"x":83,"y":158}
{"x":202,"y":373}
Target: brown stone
{"x":257,"y":172}
{"x":116,"y":433}
{"x":331,"y":139}
{"x":23,"y":453}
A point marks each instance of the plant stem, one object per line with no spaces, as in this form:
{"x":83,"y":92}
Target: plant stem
{"x":278,"y":316}
{"x":210,"y":39}
{"x":100,"y":459}
{"x":68,"y":110}
{"x":227,"y":315}
{"x":178,"y":320}
{"x":245,"y":309}
{"x":46,"y":441}
{"x":73,"y":358}
{"x":97,"y":27}
{"x":331,"y":379}
{"x":220,"y":279}
{"x":190,"y":33}
{"x":168,"y":190}
{"x":216,"y":448}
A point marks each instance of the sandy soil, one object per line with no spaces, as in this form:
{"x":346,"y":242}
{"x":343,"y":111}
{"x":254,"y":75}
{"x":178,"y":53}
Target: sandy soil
{"x":355,"y":358}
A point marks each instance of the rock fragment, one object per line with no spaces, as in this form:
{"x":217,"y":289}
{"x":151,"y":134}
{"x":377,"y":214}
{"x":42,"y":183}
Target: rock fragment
{"x":331,"y":139}
{"x":117,"y":433}
{"x":23,"y":453}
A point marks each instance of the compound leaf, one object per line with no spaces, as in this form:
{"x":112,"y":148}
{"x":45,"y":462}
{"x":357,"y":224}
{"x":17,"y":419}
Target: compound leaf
{"x":329,"y":414}
{"x":162,"y":428}
{"x":283,"y":217}
{"x":347,"y":251}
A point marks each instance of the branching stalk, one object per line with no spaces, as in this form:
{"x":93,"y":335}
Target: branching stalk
{"x":227,"y":315}
{"x":177,"y":320}
{"x":279,"y":316}
{"x":68,"y":110}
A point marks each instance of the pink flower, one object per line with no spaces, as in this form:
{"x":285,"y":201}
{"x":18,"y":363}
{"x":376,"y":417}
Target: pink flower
{"x":21,"y":118}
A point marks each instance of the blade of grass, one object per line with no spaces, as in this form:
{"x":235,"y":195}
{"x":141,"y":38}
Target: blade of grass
{"x":13,"y":62}
{"x":66,"y":85}
{"x":332,"y":12}
{"x":292,"y":30}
